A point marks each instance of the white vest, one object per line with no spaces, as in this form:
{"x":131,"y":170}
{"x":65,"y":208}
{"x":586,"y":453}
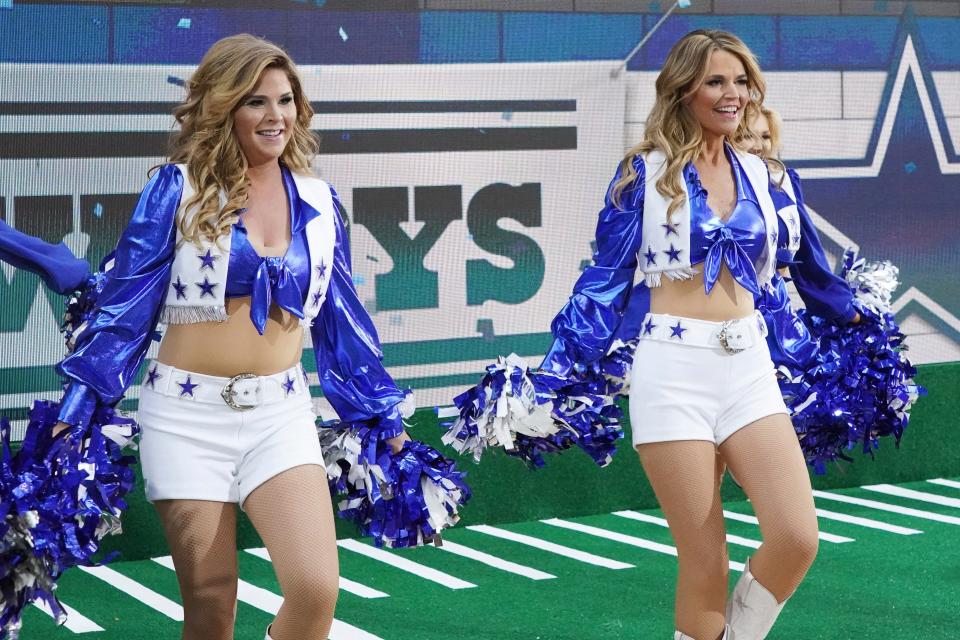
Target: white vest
{"x":662,"y":244}
{"x":789,"y":214}
{"x":198,"y":280}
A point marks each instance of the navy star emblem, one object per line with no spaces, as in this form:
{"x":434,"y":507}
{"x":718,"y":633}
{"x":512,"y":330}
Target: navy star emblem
{"x":186,"y":388}
{"x":180,"y":288}
{"x":670,"y":228}
{"x":321,"y":270}
{"x":677,"y":331}
{"x":317,"y":297}
{"x":648,"y":327}
{"x":288,"y":385}
{"x":206,"y":287}
{"x":152,"y":376}
{"x":207,"y":260}
{"x":651,"y":256}
{"x":673,"y":253}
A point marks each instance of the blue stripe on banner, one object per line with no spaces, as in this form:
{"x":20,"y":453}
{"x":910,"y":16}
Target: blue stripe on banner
{"x":758,"y":32}
{"x":849,"y":43}
{"x":176,"y":35}
{"x":567,"y":36}
{"x":54,"y":33}
{"x":453,"y":36}
{"x":939,"y":37}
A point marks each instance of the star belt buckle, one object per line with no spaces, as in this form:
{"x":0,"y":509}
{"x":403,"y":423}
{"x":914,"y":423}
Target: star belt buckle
{"x":229,"y":394}
{"x":726,"y":335}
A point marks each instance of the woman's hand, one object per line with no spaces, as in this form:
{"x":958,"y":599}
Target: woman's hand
{"x":856,"y":318}
{"x":396,"y":444}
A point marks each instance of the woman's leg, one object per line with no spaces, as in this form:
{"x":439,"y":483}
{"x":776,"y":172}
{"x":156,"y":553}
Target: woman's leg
{"x":294,"y":517}
{"x":203,"y":541}
{"x":685,"y":475}
{"x":766,"y":459}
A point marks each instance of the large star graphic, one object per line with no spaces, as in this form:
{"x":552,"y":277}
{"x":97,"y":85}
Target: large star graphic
{"x":908,"y":212}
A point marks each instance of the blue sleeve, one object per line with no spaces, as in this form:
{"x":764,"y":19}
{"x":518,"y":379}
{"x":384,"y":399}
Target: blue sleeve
{"x":824,"y":293}
{"x":586,"y":325}
{"x":110,"y":350}
{"x":60,"y":270}
{"x":347,"y":349}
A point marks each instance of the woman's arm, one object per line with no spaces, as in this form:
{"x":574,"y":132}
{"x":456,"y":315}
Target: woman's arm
{"x":824,"y":293}
{"x":586,"y":325}
{"x":111,"y":348}
{"x":348,"y":354}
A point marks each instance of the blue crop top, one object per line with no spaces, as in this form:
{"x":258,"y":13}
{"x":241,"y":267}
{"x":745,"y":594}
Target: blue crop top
{"x":740,"y":242}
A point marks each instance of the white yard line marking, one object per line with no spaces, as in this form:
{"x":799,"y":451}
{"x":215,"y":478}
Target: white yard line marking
{"x":270,"y":602}
{"x":625,"y":539}
{"x":902,"y":492}
{"x":494,"y":561}
{"x":346,"y":584}
{"x":643,"y":517}
{"x":131,"y":587}
{"x":867,"y":522}
{"x":543,"y":545}
{"x":417,"y":569}
{"x":953,"y":484}
{"x":76,"y":622}
{"x":826,"y":537}
{"x":916,"y":513}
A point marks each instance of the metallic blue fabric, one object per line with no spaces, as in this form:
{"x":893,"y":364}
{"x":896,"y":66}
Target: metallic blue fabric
{"x":110,"y":350}
{"x":587,"y":323}
{"x":348,"y":352}
{"x":739,"y":243}
{"x":268,"y":280}
{"x":54,"y":263}
{"x":788,"y":337}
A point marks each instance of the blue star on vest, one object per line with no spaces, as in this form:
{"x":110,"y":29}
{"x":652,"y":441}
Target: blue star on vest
{"x":152,"y":376}
{"x":670,"y":228}
{"x":677,"y":331}
{"x":206,"y":287}
{"x":673,"y":253}
{"x":288,"y":385}
{"x":651,"y":256}
{"x":321,"y":270}
{"x":207,"y":260}
{"x":186,"y":388}
{"x":317,"y":297}
{"x":180,"y":288}
{"x":648,"y":327}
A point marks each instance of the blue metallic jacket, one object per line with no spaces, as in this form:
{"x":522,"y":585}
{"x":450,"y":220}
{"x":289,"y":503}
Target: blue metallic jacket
{"x":606,"y":305}
{"x":111,"y":348}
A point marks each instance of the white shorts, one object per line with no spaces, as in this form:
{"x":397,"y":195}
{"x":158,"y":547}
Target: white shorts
{"x":194,"y":446}
{"x":685,"y":385}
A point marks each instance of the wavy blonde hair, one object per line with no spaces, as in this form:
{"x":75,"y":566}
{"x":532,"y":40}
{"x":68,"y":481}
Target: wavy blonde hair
{"x":671,"y":126}
{"x":230,"y":71}
{"x":778,"y":171}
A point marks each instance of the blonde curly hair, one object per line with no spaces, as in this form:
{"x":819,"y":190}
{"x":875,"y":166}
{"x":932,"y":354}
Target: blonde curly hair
{"x":671,"y":126}
{"x":229,"y":71}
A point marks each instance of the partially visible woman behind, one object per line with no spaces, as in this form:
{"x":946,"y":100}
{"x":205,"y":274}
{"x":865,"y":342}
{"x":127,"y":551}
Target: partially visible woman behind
{"x":237,"y":246}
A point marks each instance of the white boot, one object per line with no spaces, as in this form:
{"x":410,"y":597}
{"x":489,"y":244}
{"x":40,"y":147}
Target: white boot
{"x":267,"y":637}
{"x":751,"y":609}
{"x":726,"y":635}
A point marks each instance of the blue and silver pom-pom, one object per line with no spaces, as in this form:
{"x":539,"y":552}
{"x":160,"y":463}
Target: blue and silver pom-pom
{"x":401,"y":499}
{"x":512,"y":407}
{"x":61,"y":497}
{"x":80,"y":309}
{"x":861,"y":388}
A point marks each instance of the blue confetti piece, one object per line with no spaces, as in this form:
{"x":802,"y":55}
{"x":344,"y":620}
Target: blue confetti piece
{"x":358,"y":280}
{"x":98,"y":210}
{"x":345,"y":135}
{"x":910,"y":167}
{"x":372,"y":258}
{"x":485,"y":329}
{"x":343,"y":34}
{"x":184,"y":23}
{"x":507,"y":115}
{"x":683,"y":4}
{"x":180,"y":82}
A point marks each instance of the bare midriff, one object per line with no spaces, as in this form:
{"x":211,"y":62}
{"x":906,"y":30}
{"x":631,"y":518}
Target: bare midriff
{"x":686,"y":298}
{"x":233,"y":347}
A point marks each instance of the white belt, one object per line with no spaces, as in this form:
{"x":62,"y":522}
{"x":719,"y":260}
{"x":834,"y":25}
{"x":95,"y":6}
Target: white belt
{"x":241,"y":392}
{"x":733,"y":336}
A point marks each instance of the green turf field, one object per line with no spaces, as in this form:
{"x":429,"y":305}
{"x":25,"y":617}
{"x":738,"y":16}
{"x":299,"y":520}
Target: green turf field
{"x":889,"y":575}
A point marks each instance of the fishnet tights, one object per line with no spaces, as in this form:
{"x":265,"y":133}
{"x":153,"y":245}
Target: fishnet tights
{"x":686,"y":475}
{"x":294,"y":517}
